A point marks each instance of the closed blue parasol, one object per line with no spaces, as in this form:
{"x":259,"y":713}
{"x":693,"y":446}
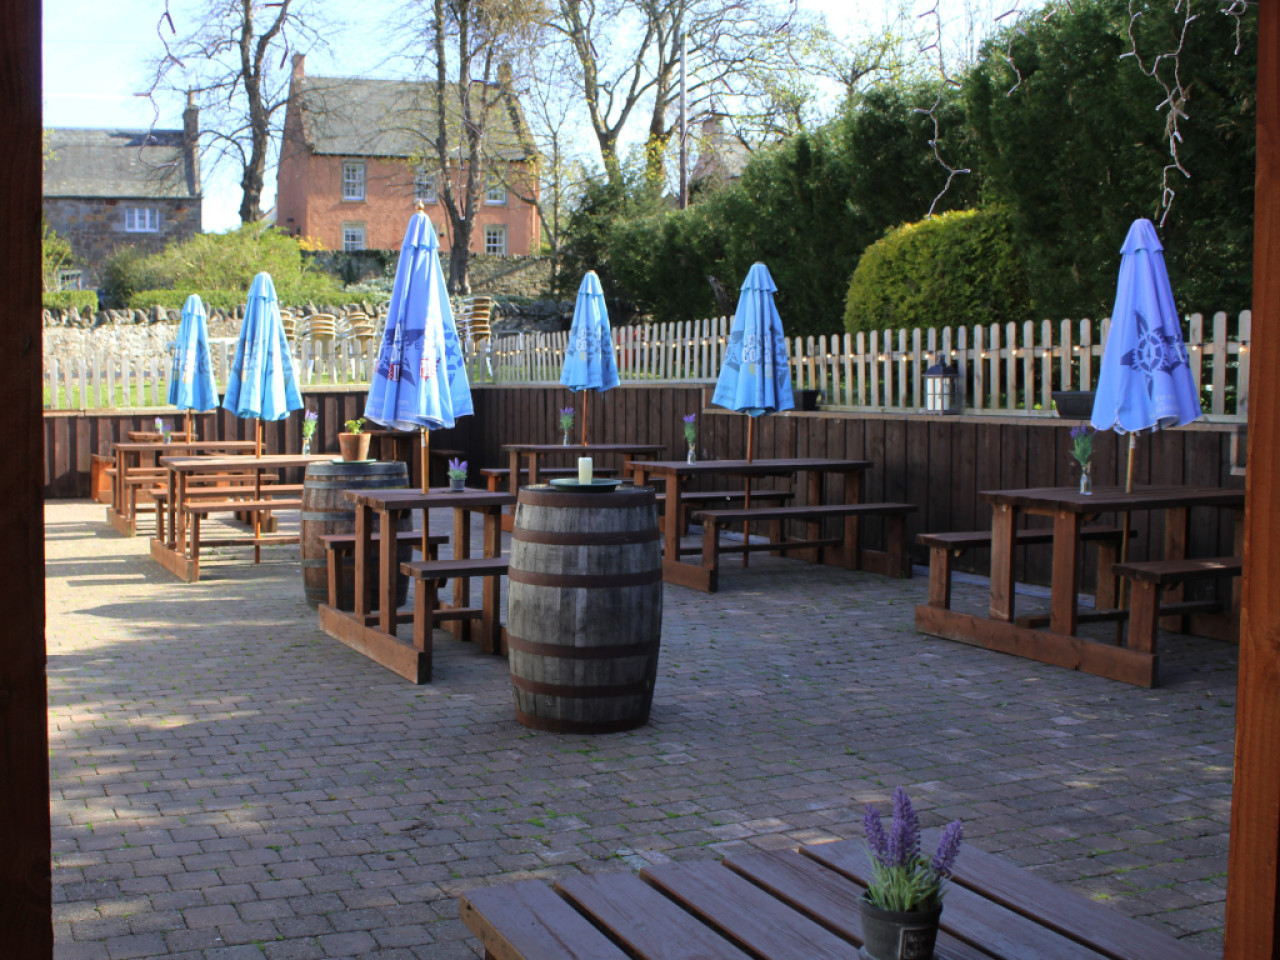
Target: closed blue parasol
{"x":191,"y":382}
{"x":421,"y":379}
{"x":263,"y":382}
{"x":1145,"y":383}
{"x":589,"y":360}
{"x":755,"y":377}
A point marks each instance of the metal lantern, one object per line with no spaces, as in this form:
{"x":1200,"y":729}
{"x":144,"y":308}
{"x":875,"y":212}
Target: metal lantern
{"x":940,"y":394}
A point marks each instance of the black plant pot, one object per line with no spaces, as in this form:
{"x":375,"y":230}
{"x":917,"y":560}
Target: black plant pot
{"x":893,"y":935}
{"x":807,"y":399}
{"x":1073,"y":404}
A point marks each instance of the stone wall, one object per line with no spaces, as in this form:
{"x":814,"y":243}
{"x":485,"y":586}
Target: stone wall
{"x":95,"y":229}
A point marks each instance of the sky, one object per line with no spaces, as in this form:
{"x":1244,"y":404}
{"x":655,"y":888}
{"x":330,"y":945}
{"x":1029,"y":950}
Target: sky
{"x":95,"y":53}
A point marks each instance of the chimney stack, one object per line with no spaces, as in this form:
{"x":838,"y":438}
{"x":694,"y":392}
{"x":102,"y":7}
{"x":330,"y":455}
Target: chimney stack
{"x":191,"y":143}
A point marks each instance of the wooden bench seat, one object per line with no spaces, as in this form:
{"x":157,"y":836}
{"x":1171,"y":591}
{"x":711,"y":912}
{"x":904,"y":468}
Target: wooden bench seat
{"x":101,"y":472}
{"x":893,"y":561}
{"x":713,"y":498}
{"x":427,"y":611}
{"x":1151,"y":577}
{"x":338,"y":546}
{"x":945,"y":547}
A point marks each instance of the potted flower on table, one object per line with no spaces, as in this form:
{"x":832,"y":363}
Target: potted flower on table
{"x":903,"y":903}
{"x":309,"y":421}
{"x":566,"y":423}
{"x":457,"y":475}
{"x":691,"y":436}
{"x":354,"y":443}
{"x":1082,"y":450}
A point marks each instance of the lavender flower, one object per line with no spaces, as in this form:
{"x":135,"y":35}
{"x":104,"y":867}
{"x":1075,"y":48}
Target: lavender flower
{"x":945,"y":857}
{"x":457,"y":469}
{"x":309,"y":424}
{"x":874,"y":830}
{"x":1082,"y":444}
{"x":690,"y":429}
{"x":566,"y":419}
{"x":903,"y":879}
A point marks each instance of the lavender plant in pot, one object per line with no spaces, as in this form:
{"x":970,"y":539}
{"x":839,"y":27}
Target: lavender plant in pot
{"x":566,"y":424}
{"x":457,"y":475}
{"x":903,"y":904}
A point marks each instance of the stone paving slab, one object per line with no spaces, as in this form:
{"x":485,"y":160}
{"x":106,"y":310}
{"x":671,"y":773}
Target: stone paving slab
{"x":228,"y":782}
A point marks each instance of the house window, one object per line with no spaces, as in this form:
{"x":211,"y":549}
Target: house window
{"x":68,"y":279}
{"x":424,"y":187}
{"x":353,"y":236}
{"x":495,"y":238}
{"x":353,"y":180}
{"x":495,"y":193}
{"x":141,"y":219}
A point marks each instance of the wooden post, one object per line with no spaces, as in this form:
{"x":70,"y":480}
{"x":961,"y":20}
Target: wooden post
{"x":1253,"y":870}
{"x":26,"y":908}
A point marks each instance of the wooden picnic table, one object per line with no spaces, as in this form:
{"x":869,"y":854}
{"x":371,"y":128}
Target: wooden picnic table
{"x":134,"y":456}
{"x":403,"y":445}
{"x":676,"y":474}
{"x":795,"y":905}
{"x":371,"y":627}
{"x":176,"y":550}
{"x":1059,"y":643}
{"x":533,"y":452}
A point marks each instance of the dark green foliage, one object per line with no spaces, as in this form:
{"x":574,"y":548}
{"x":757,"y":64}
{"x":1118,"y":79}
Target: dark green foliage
{"x":961,"y":268}
{"x":83,"y":300}
{"x":1076,"y":152}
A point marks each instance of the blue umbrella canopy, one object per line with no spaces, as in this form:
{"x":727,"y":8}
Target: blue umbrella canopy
{"x":421,"y":378}
{"x":263,"y":382}
{"x":1145,"y":382}
{"x":191,"y":382}
{"x":755,"y":377}
{"x":589,"y":361}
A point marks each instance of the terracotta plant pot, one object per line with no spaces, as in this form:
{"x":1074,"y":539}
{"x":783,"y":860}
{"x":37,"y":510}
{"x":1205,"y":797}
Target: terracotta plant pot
{"x":355,"y":446}
{"x":891,"y":935}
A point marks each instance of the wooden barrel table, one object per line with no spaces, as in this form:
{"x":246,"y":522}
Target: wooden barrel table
{"x":584,"y":608}
{"x":326,"y":511}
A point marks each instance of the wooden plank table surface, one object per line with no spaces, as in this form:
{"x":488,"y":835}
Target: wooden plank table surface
{"x":370,"y":628}
{"x":795,"y":905}
{"x":134,"y":455}
{"x":676,"y":473}
{"x":1060,"y":643}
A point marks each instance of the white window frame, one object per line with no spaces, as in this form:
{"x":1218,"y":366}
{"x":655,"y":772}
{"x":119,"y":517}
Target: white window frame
{"x":495,"y":192}
{"x":355,"y":236}
{"x":353,"y":181}
{"x":424,"y":187}
{"x":69,"y":279}
{"x":141,"y":220}
{"x":498,"y":230}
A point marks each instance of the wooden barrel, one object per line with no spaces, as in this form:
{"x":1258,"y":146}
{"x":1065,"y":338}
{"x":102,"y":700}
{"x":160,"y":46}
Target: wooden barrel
{"x":325,"y":510}
{"x":584,"y":611}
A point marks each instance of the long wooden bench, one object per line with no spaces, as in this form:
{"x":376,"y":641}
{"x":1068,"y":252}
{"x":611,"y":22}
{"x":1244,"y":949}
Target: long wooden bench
{"x":339,"y":546}
{"x":710,"y":499}
{"x":427,"y":611}
{"x":197,"y":510}
{"x":944,"y":548}
{"x":892,"y":561}
{"x":1150,"y":577}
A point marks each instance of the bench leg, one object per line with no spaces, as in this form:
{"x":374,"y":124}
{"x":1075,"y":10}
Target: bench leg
{"x":1144,"y":611}
{"x":895,"y":543}
{"x":940,"y":578}
{"x":490,"y":620}
{"x":425,"y":601}
{"x":195,"y":545}
{"x":711,"y":551}
{"x":335,"y":572}
{"x":1105,"y":597}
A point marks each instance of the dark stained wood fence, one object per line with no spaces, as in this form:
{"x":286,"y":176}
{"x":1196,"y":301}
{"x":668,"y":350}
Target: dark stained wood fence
{"x":938,"y":463}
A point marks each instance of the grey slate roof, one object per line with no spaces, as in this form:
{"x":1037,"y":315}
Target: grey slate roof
{"x":355,"y":116}
{"x":107,"y":164}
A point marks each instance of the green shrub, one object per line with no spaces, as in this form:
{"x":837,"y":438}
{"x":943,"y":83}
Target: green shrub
{"x":82,"y":300}
{"x":295,"y":296}
{"x":960,"y":268}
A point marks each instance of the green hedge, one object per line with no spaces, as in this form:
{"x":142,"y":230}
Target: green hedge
{"x":230,"y":299}
{"x":82,"y":300}
{"x":960,"y":268}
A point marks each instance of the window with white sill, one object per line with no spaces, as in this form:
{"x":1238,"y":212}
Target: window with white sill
{"x":353,"y":180}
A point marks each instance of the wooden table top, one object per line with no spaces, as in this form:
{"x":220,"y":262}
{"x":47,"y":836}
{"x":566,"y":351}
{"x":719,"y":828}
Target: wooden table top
{"x":780,"y":466}
{"x":584,"y":448}
{"x":275,"y":461}
{"x":407,"y":498}
{"x":216,"y":446}
{"x":1108,"y":499}
{"x":795,"y":905}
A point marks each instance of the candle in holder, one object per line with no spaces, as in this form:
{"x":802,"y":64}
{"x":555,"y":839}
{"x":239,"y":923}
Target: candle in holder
{"x":584,"y":470}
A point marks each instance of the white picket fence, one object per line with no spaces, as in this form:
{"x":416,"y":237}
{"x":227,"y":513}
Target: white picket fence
{"x":1006,"y":369}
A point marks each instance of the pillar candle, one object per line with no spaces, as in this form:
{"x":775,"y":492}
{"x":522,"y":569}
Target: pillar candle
{"x":584,"y":469}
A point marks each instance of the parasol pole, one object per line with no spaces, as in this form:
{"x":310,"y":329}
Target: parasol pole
{"x":257,"y":436}
{"x":1124,"y":536}
{"x":746,"y":502}
{"x":586,"y":396}
{"x":426,"y":485}
{"x":188,"y":427}
{"x":257,"y":493}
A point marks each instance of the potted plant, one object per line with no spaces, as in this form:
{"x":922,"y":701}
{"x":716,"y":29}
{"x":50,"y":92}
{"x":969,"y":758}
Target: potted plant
{"x":354,"y":443}
{"x":805,"y":399}
{"x":1082,"y":450}
{"x":691,"y":436}
{"x":903,"y":902}
{"x":457,"y":475}
{"x":566,"y":423}
{"x":309,"y":420}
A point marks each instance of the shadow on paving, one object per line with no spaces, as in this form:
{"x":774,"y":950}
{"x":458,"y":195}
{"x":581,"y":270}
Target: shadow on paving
{"x":224,"y":774}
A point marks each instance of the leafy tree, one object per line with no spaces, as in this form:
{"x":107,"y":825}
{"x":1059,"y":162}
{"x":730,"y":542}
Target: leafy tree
{"x":1076,"y":151}
{"x":55,"y":254}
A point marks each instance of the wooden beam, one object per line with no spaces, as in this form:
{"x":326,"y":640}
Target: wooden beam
{"x":1253,"y":871}
{"x":26,"y":908}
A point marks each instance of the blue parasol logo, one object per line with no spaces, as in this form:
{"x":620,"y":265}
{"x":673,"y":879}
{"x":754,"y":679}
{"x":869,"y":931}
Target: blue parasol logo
{"x":1154,"y":351}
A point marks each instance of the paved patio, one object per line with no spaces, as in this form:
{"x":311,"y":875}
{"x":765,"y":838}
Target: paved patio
{"x":228,"y":782}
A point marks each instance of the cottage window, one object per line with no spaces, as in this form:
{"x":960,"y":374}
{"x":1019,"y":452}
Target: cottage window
{"x":495,"y":192}
{"x":353,"y":236}
{"x":141,"y":219}
{"x":69,"y":279}
{"x":424,"y":187}
{"x":353,"y":180}
{"x":495,"y":238}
